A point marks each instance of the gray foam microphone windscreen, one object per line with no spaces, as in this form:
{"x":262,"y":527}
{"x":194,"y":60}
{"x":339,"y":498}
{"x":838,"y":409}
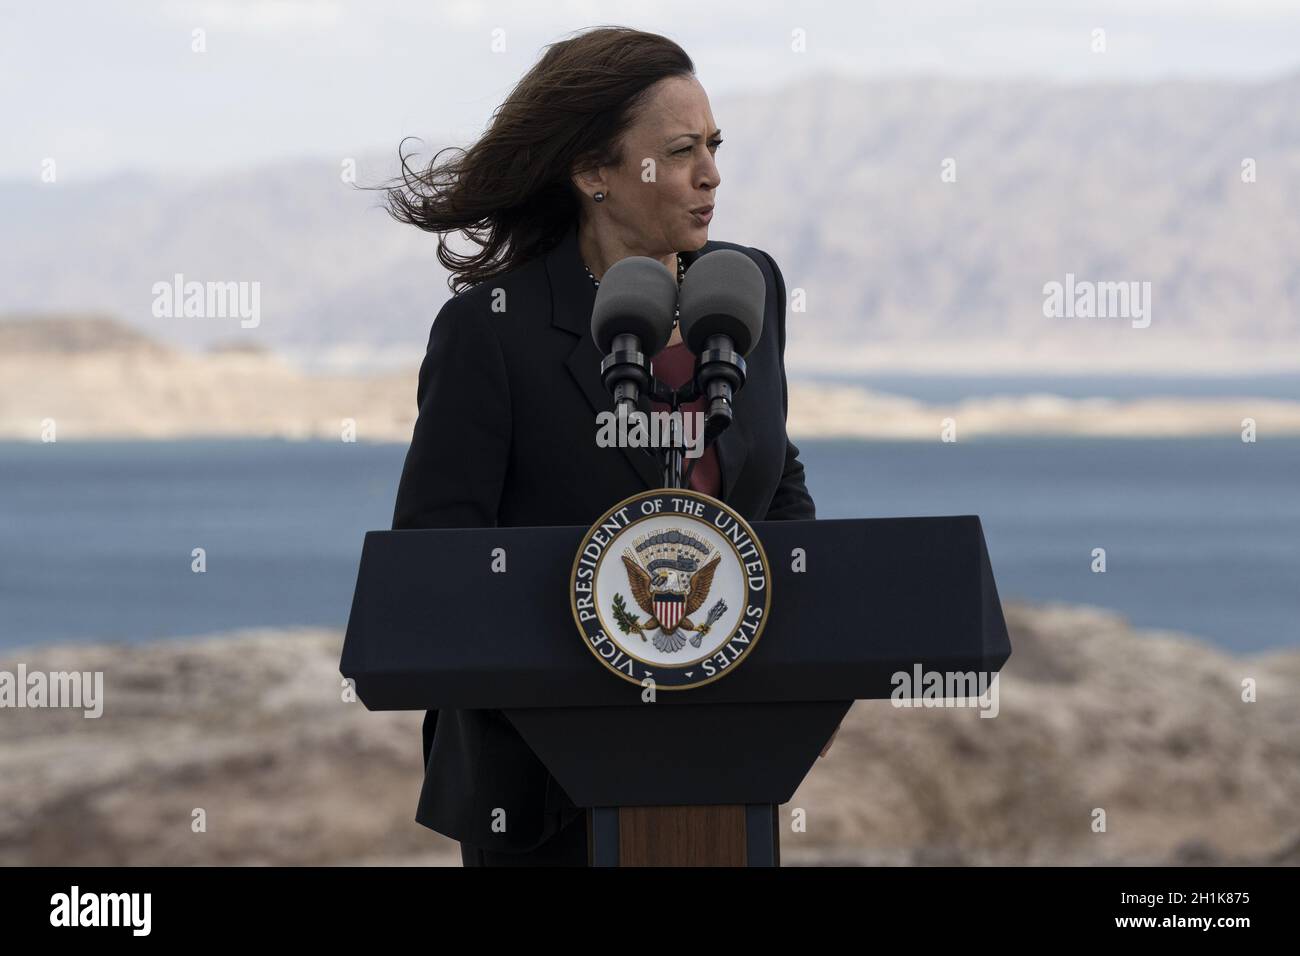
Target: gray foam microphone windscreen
{"x":723,"y":293}
{"x":637,"y":296}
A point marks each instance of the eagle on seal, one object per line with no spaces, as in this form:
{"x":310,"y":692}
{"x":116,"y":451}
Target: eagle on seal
{"x":644,"y":586}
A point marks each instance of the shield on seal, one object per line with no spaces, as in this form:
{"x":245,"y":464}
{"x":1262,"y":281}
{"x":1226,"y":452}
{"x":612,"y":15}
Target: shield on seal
{"x":668,"y":609}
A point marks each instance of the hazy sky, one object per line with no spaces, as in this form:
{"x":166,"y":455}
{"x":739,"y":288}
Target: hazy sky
{"x":104,"y":86}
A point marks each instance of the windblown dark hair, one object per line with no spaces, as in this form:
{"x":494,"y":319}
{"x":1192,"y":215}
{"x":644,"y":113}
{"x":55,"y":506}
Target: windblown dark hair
{"x":511,"y":191}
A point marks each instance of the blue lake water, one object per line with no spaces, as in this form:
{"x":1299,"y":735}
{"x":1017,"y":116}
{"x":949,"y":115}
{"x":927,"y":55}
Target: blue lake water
{"x":1202,"y":535}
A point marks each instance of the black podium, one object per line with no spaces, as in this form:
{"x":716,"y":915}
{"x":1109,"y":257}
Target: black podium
{"x":695,"y":777}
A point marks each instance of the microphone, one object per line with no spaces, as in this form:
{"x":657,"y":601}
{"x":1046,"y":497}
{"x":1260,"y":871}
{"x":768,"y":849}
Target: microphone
{"x":721,"y":313}
{"x":632,"y":318}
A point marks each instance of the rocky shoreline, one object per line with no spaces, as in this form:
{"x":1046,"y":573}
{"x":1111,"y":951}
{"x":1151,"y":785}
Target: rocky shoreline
{"x":251,"y":728}
{"x":98,"y":380}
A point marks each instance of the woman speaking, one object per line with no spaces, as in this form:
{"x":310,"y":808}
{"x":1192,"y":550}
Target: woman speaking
{"x":606,"y":149}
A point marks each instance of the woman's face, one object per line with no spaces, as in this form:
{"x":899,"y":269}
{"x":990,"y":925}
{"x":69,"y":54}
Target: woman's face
{"x":668,"y":172}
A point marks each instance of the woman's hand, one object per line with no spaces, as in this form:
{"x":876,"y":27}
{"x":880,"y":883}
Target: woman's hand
{"x":829,"y":742}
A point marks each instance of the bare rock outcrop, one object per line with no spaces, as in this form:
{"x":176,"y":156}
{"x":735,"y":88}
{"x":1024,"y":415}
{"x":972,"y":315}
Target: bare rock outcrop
{"x":252,"y":729}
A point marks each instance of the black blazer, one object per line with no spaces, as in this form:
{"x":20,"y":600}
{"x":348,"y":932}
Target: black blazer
{"x":508,"y":395}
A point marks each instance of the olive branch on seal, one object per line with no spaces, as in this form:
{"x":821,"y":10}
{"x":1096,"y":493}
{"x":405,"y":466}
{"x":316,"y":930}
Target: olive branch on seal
{"x":626,"y":622}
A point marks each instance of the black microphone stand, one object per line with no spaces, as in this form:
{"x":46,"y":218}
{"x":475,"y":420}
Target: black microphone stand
{"x":675,"y":398}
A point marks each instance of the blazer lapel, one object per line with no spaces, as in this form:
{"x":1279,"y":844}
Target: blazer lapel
{"x":732,"y":447}
{"x":573,"y":295}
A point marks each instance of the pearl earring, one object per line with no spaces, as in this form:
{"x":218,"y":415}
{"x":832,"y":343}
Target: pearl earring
{"x":599,"y":197}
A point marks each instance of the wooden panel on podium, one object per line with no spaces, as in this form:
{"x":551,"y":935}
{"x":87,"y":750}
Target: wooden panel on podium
{"x":682,"y":836}
{"x":706,"y":835}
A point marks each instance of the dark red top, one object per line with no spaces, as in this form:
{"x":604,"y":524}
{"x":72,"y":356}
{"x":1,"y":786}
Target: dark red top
{"x":673,"y":366}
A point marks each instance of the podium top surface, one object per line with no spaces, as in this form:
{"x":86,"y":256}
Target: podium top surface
{"x":433,"y":626}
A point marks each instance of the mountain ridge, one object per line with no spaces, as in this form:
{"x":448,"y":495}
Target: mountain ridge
{"x":842,"y":181}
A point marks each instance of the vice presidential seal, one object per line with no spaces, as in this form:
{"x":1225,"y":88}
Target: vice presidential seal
{"x":671,"y":585}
